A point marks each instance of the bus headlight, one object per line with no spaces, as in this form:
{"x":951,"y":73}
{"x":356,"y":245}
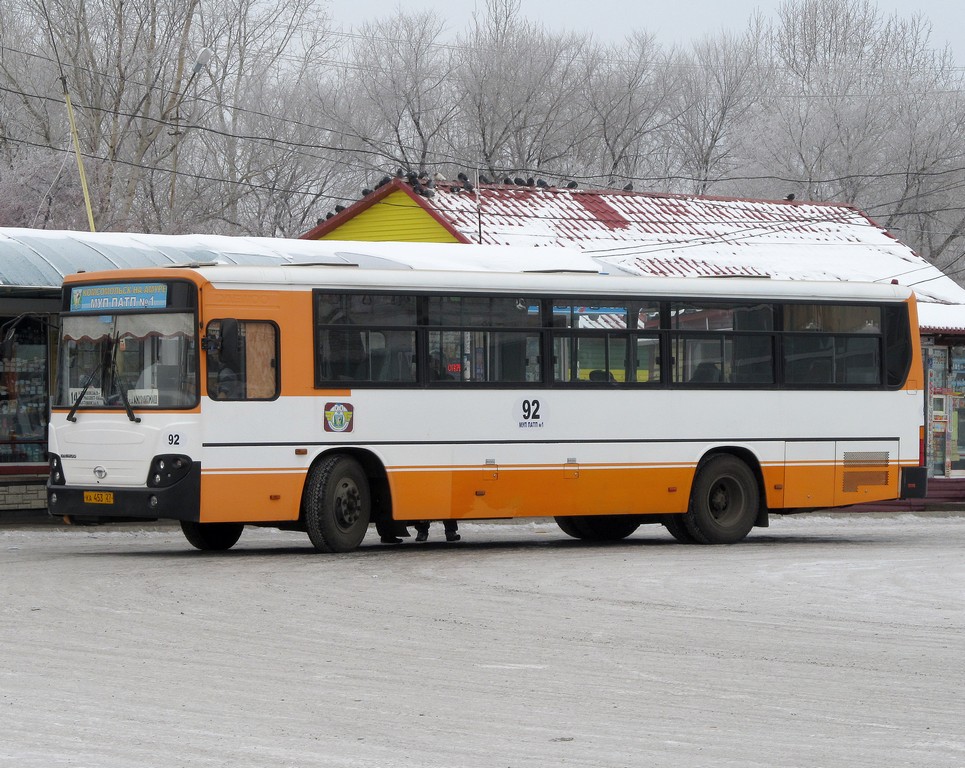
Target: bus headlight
{"x":56,"y":470}
{"x":167,"y":469}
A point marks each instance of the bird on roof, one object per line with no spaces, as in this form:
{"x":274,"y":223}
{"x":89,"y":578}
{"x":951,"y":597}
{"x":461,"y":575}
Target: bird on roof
{"x":438,"y":176}
{"x":399,"y":173}
{"x":329,"y":215}
{"x":519,"y":182}
{"x":542,"y":183}
{"x":467,"y":185}
{"x":339,"y":208}
{"x":462,"y":177}
{"x":572,"y":185}
{"x":383,"y":181}
{"x":628,"y":187}
{"x":484,"y":180}
{"x":530,"y":182}
{"x":366,"y":191}
{"x":790,"y":197}
{"x":507,"y":180}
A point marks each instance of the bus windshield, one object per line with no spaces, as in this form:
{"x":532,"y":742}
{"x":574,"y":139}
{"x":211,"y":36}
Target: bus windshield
{"x":147,"y":359}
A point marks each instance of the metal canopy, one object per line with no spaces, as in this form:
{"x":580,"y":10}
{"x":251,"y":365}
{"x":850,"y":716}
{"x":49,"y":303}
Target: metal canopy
{"x":36,"y":260}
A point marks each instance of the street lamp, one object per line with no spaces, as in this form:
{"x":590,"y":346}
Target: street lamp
{"x":204,"y":56}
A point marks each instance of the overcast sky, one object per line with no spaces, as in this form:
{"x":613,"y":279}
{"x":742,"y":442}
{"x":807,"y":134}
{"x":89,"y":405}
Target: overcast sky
{"x":673,"y":21}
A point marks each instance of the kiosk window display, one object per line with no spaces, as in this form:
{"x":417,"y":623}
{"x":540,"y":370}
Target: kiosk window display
{"x":23,"y":391}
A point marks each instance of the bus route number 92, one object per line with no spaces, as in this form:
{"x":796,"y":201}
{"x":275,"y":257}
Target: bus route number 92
{"x":530,"y":413}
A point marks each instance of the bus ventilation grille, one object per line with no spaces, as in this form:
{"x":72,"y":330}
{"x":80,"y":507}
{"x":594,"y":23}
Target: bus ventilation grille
{"x":852,"y":481}
{"x":866,"y":458}
{"x":853,"y":478}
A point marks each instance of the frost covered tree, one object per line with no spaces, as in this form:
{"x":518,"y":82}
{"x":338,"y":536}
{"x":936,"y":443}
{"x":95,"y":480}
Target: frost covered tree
{"x":717,"y":85}
{"x":861,"y":108}
{"x":139,"y":96}
{"x":828,"y":99}
{"x":394,"y":98}
{"x":629,"y":102}
{"x":519,"y":89}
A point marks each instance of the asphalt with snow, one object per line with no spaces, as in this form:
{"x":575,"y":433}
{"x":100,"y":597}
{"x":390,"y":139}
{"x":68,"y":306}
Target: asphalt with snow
{"x":824,"y":640}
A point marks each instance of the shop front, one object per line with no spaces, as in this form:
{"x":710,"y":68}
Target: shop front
{"x":26,"y":322}
{"x":945,"y":406}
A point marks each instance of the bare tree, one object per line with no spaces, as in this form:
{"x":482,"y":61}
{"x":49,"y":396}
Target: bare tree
{"x":394,"y":97}
{"x":519,"y":92}
{"x":718,"y":84}
{"x":629,"y":102}
{"x":832,"y":100}
{"x":862,"y":109}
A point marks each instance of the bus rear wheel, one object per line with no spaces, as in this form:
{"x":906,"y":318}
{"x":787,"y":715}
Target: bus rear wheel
{"x":724,"y":501}
{"x":338,"y":504}
{"x":599,"y":527}
{"x":212,"y":537}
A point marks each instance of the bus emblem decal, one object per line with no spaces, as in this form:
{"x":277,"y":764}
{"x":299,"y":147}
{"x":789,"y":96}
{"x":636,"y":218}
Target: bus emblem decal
{"x":99,"y":472}
{"x":338,"y":417}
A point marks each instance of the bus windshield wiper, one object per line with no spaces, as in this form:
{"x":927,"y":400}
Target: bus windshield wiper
{"x":120,"y":390}
{"x":72,"y":413}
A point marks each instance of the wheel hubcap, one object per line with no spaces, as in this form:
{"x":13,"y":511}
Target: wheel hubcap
{"x":347,"y":504}
{"x":725,"y":500}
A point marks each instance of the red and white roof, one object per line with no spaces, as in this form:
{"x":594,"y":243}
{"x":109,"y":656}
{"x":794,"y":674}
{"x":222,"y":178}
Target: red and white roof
{"x":692,"y":236}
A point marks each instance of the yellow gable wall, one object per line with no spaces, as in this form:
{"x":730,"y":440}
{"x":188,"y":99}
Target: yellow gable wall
{"x":396,"y":218}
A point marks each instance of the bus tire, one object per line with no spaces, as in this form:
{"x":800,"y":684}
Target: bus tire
{"x":569,"y":527}
{"x":678,"y":528}
{"x":212,"y":537}
{"x":338,"y":504}
{"x":599,"y":527}
{"x":724,"y":501}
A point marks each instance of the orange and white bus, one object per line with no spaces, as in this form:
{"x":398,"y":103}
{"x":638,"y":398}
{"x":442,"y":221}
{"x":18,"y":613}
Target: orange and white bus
{"x":332,"y":396}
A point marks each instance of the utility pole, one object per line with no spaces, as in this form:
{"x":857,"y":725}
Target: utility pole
{"x":204,"y":56}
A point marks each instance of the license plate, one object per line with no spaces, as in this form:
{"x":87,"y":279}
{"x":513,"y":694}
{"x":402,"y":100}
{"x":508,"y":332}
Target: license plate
{"x":98,"y":497}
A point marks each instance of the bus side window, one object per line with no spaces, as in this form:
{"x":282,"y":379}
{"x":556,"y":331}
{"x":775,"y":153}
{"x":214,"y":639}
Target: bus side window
{"x":242,"y":360}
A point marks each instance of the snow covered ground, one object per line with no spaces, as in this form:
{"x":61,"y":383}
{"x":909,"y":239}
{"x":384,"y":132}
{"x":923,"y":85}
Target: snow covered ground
{"x":821,"y":641}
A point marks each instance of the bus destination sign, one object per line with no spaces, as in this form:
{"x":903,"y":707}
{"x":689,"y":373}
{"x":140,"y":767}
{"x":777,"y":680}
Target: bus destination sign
{"x":86,"y":298}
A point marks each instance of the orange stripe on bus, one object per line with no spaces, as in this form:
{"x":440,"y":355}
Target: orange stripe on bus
{"x":497,"y":491}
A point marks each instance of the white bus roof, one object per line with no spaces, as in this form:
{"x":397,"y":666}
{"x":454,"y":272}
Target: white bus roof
{"x":44,"y":258}
{"x":301,"y":277}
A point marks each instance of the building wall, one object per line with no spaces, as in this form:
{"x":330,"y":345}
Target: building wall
{"x":396,"y":218}
{"x":22,"y":494}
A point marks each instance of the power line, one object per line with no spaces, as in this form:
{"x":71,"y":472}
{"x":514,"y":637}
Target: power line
{"x":456,"y":161}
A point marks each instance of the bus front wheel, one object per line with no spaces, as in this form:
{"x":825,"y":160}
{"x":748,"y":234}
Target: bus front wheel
{"x":723,"y":503}
{"x":212,"y":537}
{"x":338,"y":504}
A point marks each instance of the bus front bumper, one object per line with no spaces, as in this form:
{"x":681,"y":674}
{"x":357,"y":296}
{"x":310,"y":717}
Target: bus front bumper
{"x":180,"y":501}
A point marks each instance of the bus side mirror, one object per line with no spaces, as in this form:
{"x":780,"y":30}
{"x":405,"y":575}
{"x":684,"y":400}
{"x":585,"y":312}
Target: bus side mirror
{"x":231,"y":344}
{"x":7,"y":345}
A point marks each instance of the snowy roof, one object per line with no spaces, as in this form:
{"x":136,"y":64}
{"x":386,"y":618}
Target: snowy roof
{"x":686,"y":236}
{"x":40,"y":258}
{"x":823,"y":242}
